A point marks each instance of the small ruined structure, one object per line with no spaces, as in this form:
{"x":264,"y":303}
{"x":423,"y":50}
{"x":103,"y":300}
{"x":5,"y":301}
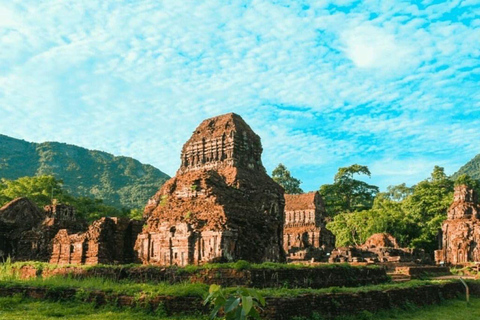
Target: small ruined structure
{"x":61,"y":211}
{"x":460,"y":236}
{"x":26,"y":231}
{"x":221,"y":205}
{"x":380,"y":247}
{"x":380,"y":240}
{"x":107,"y":240}
{"x":305,"y":236}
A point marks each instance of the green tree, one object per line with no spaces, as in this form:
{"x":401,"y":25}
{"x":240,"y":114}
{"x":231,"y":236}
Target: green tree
{"x":386,"y":215}
{"x":347,"y":194}
{"x":135,"y":214}
{"x":43,"y":189}
{"x":282,"y":176}
{"x":39,"y":189}
{"x":412,"y":215}
{"x":426,"y":209}
{"x":465,"y":179}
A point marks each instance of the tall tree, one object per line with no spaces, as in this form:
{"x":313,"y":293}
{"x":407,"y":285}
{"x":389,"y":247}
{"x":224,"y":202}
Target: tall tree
{"x":347,"y":194}
{"x":386,"y":215}
{"x":412,"y":215}
{"x":282,"y":176}
{"x":39,"y":189}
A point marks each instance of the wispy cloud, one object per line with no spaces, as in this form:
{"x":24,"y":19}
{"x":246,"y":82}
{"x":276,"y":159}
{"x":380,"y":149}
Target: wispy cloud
{"x":325,"y":84}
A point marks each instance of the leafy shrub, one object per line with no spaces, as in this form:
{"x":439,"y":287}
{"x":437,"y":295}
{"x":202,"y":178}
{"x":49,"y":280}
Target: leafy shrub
{"x":242,"y":304}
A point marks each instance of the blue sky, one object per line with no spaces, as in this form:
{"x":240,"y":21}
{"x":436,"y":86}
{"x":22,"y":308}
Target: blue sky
{"x":393,"y":85}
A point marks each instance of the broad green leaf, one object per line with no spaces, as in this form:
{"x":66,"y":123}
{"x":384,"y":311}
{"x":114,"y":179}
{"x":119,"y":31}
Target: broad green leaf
{"x":231,"y":304}
{"x":247,"y":304}
{"x":215,"y":310}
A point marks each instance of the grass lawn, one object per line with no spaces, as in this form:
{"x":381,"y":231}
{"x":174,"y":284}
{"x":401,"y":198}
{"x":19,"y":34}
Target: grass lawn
{"x":449,"y":310}
{"x":19,"y":308}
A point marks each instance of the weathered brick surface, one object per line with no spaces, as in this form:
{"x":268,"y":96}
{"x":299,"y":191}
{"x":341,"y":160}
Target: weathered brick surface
{"x":305,"y":236}
{"x":259,"y":278}
{"x":26,"y":232}
{"x":422,"y":271}
{"x":381,"y":248}
{"x":220,"y":206}
{"x":278,"y":308}
{"x":337,"y":304}
{"x":107,"y":240}
{"x":461,"y":231}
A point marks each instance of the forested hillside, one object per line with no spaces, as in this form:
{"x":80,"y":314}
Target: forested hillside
{"x":122,"y":182}
{"x":471,"y":168}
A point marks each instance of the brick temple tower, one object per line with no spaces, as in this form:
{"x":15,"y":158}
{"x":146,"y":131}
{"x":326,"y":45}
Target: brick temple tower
{"x":220,"y":206}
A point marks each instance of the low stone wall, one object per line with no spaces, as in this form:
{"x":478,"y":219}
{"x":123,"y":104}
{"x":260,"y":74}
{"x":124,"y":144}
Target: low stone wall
{"x":338,"y":276}
{"x":422,"y":271}
{"x":332,"y":305}
{"x":278,"y":308}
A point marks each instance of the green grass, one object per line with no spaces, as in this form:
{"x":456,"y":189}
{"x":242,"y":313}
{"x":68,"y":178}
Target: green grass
{"x":131,"y":288}
{"x":448,"y":310}
{"x":19,"y":308}
{"x":125,"y":287}
{"x":285,"y":292}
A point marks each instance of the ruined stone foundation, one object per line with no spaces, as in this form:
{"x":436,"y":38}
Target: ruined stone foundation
{"x":380,"y":247}
{"x":461,"y":231}
{"x":220,"y":206}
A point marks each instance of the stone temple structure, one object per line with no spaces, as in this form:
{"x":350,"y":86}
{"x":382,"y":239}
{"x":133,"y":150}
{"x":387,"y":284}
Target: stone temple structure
{"x":220,"y":206}
{"x":107,"y":240}
{"x":26,"y":232}
{"x":305,"y":236}
{"x":56,"y":234}
{"x":461,"y":231}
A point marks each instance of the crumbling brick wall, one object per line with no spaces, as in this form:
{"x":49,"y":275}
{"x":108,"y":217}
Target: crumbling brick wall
{"x":26,"y":232}
{"x":107,"y":240}
{"x":380,"y":247}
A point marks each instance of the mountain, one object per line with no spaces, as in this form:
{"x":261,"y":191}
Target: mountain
{"x":472,"y":168}
{"x":122,"y":182}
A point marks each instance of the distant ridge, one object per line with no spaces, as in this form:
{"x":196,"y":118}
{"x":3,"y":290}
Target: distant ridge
{"x":472,"y":168}
{"x":122,"y":182}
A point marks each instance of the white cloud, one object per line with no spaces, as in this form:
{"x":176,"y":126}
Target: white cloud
{"x":323,"y":87}
{"x":375,"y":48}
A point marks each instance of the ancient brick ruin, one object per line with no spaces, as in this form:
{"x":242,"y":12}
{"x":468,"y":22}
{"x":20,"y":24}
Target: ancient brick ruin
{"x":460,"y":236}
{"x":221,"y":205}
{"x":26,"y":232}
{"x":380,"y":247}
{"x":57,"y":235}
{"x":61,"y":211}
{"x":107,"y":240}
{"x":305,"y":236}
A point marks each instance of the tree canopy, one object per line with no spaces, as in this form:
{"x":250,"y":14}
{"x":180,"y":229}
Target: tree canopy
{"x":282,"y":176}
{"x":43,"y":189}
{"x":413,"y":215}
{"x":348,"y":194}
